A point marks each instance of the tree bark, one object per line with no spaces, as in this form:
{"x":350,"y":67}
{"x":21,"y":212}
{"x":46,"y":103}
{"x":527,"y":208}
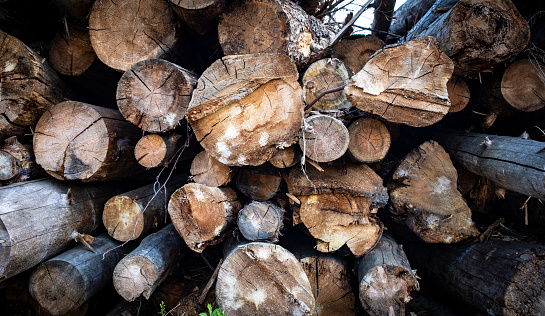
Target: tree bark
{"x":156,"y":150}
{"x":203,"y":215}
{"x":322,"y":75}
{"x":141,"y":271}
{"x":154,"y":94}
{"x":458,"y":94}
{"x":405,"y":83}
{"x":261,"y":221}
{"x":369,"y":140}
{"x":263,"y":279}
{"x":285,"y":158}
{"x":259,"y":183}
{"x":198,"y":15}
{"x":207,"y":170}
{"x":385,"y":279}
{"x":426,"y":198}
{"x":384,"y":11}
{"x":355,"y":52}
{"x":75,"y":140}
{"x":71,"y":54}
{"x":17,"y":162}
{"x":68,"y":280}
{"x":324,"y":138}
{"x":407,"y":15}
{"x":245,"y":107}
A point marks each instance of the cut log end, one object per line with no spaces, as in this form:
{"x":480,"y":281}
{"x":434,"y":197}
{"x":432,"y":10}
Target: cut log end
{"x":324,"y":139}
{"x":123,"y":218}
{"x":131,"y":277}
{"x":259,"y":183}
{"x":9,"y":168}
{"x":71,"y":54}
{"x":156,"y":150}
{"x":261,"y":221}
{"x":523,"y":85}
{"x":458,"y":94}
{"x":356,"y":52}
{"x":323,"y":75}
{"x":207,"y":170}
{"x":369,"y":140}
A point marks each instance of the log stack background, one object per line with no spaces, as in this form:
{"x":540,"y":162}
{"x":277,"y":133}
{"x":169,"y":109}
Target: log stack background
{"x":184,"y":153}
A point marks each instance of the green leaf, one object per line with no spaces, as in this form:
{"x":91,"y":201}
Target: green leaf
{"x":203,"y":314}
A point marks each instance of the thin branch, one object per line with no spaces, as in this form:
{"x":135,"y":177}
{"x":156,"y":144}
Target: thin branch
{"x":308,"y":106}
{"x":349,"y":24}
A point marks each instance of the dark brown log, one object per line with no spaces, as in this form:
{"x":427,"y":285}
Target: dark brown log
{"x":17,"y":162}
{"x":65,"y":282}
{"x":203,"y":215}
{"x":523,"y":85}
{"x":406,"y":16}
{"x":78,"y":9}
{"x":198,"y":15}
{"x":369,"y":140}
{"x":124,"y":33}
{"x":405,"y":83}
{"x":207,"y":170}
{"x":75,"y":140}
{"x":259,"y":183}
{"x":426,"y":198}
{"x":323,"y":75}
{"x":273,"y":26}
{"x":29,"y":87}
{"x":247,"y":106}
{"x":385,"y":279}
{"x":458,"y":94}
{"x":131,"y":215}
{"x":156,"y":150}
{"x":263,"y":279}
{"x":261,"y":221}
{"x":70,"y":51}
{"x":495,"y":277}
{"x":356,"y":52}
{"x":154,"y":94}
{"x":285,"y":158}
{"x":324,"y":138}
{"x":479,"y":192}
{"x":384,"y":11}
{"x":141,"y":271}
{"x":38,"y":217}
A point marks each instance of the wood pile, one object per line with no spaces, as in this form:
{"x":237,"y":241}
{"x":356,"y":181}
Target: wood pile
{"x":319,"y":177}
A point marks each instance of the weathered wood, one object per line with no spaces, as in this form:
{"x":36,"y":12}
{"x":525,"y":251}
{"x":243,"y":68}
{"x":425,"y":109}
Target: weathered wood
{"x":384,"y":11}
{"x":273,"y":26}
{"x":203,"y":215}
{"x":263,"y":279}
{"x":511,"y":163}
{"x":124,"y":33}
{"x":385,"y":279}
{"x":324,"y":138}
{"x":207,"y":170}
{"x":322,"y":75}
{"x":65,"y":282}
{"x":247,"y":106}
{"x":369,"y":140}
{"x":131,"y":215}
{"x":198,"y":15}
{"x":523,"y":85}
{"x":124,"y":308}
{"x":78,"y":9}
{"x":405,"y":83}
{"x":261,"y":221}
{"x":29,"y":87}
{"x":355,"y":52}
{"x":426,"y":198}
{"x":17,"y":162}
{"x":285,"y":158}
{"x":141,"y":271}
{"x":71,"y":53}
{"x":495,"y":277}
{"x":75,"y":140}
{"x":458,"y":94}
{"x":407,"y":15}
{"x":156,"y":150}
{"x":259,"y":183}
{"x":37,"y":219}
{"x":154,"y":94}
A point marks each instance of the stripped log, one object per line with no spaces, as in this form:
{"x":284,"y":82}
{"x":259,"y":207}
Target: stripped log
{"x":426,"y":198}
{"x":259,"y":183}
{"x":141,"y":271}
{"x":355,"y":52}
{"x":438,"y":7}
{"x":324,"y":138}
{"x":156,"y":150}
{"x":458,"y":94}
{"x":207,"y":170}
{"x":198,"y":15}
{"x":17,"y":162}
{"x":65,"y":282}
{"x":70,"y":51}
{"x":285,"y":158}
{"x":323,"y":75}
{"x":261,"y":221}
{"x":406,"y":16}
{"x":369,"y":140}
{"x":405,"y":83}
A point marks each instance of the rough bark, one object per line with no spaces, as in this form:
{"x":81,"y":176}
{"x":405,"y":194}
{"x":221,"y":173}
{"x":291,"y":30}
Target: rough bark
{"x":261,"y":221}
{"x":203,"y":215}
{"x":523,"y":85}
{"x":29,"y":87}
{"x":355,"y":52}
{"x":156,"y":150}
{"x":207,"y":170}
{"x":405,"y":83}
{"x":75,"y":140}
{"x":259,"y":183}
{"x":77,"y":9}
{"x":141,"y":271}
{"x":369,"y":140}
{"x":385,"y":279}
{"x":273,"y":26}
{"x":438,"y":8}
{"x":65,"y":282}
{"x":406,"y":16}
{"x":426,"y":198}
{"x":245,"y":107}
{"x":17,"y":162}
{"x":324,"y":138}
{"x":124,"y":33}
{"x":131,"y":215}
{"x":285,"y":158}
{"x":384,"y":11}
{"x":263,"y":279}
{"x":154,"y":94}
{"x":198,"y":15}
{"x":71,"y":53}
{"x":458,"y":94}
{"x":322,"y":75}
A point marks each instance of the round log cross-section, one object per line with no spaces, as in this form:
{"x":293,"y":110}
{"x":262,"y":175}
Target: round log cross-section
{"x":325,"y":139}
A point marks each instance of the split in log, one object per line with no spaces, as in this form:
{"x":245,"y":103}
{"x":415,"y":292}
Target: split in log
{"x":207,"y":170}
{"x":356,"y":52}
{"x":285,"y":158}
{"x":141,"y":271}
{"x":75,"y":140}
{"x":261,"y":221}
{"x":273,"y":26}
{"x":384,"y":11}
{"x":37,"y":219}
{"x":247,"y":106}
{"x":385,"y":279}
{"x":523,"y":85}
{"x":426,"y":198}
{"x":203,"y":215}
{"x":198,"y":15}
{"x":492,"y":278}
{"x":78,"y":9}
{"x":405,"y":83}
{"x":156,"y":150}
{"x":323,"y":75}
{"x":458,"y":94}
{"x":17,"y":162}
{"x":68,"y":280}
{"x":130,"y":215}
{"x":263,"y":279}
{"x":29,"y":87}
{"x":154,"y":94}
{"x":71,"y":53}
{"x":406,"y":16}
{"x":259,"y":183}
{"x":124,"y":33}
{"x":324,"y":138}
{"x":369,"y":140}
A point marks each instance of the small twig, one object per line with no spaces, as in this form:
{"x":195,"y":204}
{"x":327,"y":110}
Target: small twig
{"x":202,"y":297}
{"x":488,"y":232}
{"x":293,"y":198}
{"x":315,"y":165}
{"x":308,"y":106}
{"x":525,"y":207}
{"x":377,"y":31}
{"x":349,"y":24}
